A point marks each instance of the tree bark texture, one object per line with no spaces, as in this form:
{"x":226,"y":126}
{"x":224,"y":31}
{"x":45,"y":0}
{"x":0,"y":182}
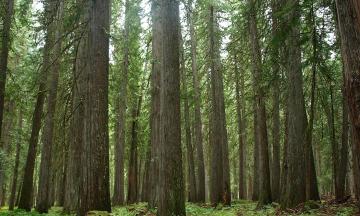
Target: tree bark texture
{"x":7,"y":18}
{"x":171,"y":185}
{"x":94,"y":52}
{"x":197,"y":110}
{"x":43,"y":196}
{"x":349,"y":25}
{"x":26,"y":195}
{"x":220,"y":191}
{"x":295,"y":190}
{"x":264,"y":166}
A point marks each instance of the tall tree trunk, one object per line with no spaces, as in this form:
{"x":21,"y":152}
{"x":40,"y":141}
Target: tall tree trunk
{"x":8,"y":6}
{"x":120,"y":125}
{"x":94,"y":50}
{"x":355,"y":163}
{"x":146,"y":179}
{"x":26,"y":195}
{"x":188,"y":139}
{"x":340,"y":191}
{"x":284,"y":171}
{"x":256,"y":170}
{"x":275,"y":166}
{"x":155,"y":104}
{"x":5,"y":143}
{"x":43,"y":195}
{"x":295,"y":190}
{"x":349,"y":25}
{"x":220,"y":178}
{"x":264,"y":174}
{"x":17,"y":162}
{"x":72,"y":178}
{"x":133,"y":163}
{"x":171,"y":185}
{"x":330,"y":114}
{"x":241,"y":132}
{"x":197,"y":111}
{"x":312,"y":191}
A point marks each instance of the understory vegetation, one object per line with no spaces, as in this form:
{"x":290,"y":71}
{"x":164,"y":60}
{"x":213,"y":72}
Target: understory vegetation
{"x":239,"y":208}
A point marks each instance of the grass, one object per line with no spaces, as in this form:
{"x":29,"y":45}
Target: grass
{"x":239,"y":208}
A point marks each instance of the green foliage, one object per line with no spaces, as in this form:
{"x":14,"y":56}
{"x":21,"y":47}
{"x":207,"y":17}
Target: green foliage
{"x":245,"y":208}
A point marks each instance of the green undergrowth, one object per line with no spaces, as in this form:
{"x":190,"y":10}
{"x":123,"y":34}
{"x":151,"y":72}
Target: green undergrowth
{"x":238,"y":208}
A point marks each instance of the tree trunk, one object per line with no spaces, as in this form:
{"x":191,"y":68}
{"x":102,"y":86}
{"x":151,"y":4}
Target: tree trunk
{"x":120,"y":125}
{"x":5,"y":143}
{"x":133,"y":163}
{"x":295,"y":191}
{"x":192,"y":192}
{"x":241,"y":132}
{"x":340,"y":191}
{"x":197,"y":111}
{"x":146,"y":179}
{"x":4,"y":51}
{"x":171,"y":185}
{"x":256,"y":170}
{"x":349,"y":25}
{"x":284,"y":171}
{"x":17,"y":162}
{"x":330,"y":114}
{"x":72,"y":178}
{"x":43,"y":199}
{"x":155,"y":105}
{"x":28,"y":180}
{"x":94,"y":50}
{"x":312,"y":191}
{"x":275,"y":166}
{"x":220,"y":178}
{"x":264,"y":174}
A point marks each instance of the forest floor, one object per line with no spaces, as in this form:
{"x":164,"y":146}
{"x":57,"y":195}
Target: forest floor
{"x":238,"y":208}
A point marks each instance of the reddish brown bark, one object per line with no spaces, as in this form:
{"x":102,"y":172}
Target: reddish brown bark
{"x":8,"y":6}
{"x":94,"y":52}
{"x":295,"y":189}
{"x":171,"y":185}
{"x":349,"y":25}
{"x":220,"y":191}
{"x":197,"y":110}
{"x":153,"y":187}
{"x":26,"y":195}
{"x":261,"y":129}
{"x":46,"y":168}
{"x":16,"y":166}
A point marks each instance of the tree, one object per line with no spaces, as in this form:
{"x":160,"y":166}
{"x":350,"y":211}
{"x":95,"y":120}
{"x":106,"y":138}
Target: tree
{"x":43,"y":196}
{"x":295,"y":191}
{"x":17,"y":162}
{"x":94,"y":52}
{"x":171,"y":185}
{"x":28,"y":179}
{"x":4,"y":51}
{"x":5,"y":143}
{"x":192,"y":193}
{"x":275,"y":166}
{"x":261,"y":129}
{"x":197,"y":110}
{"x":155,"y":104}
{"x":120,"y":125}
{"x":312,"y":191}
{"x":133,"y":163}
{"x":220,"y":176}
{"x":349,"y":25}
{"x":241,"y":129}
